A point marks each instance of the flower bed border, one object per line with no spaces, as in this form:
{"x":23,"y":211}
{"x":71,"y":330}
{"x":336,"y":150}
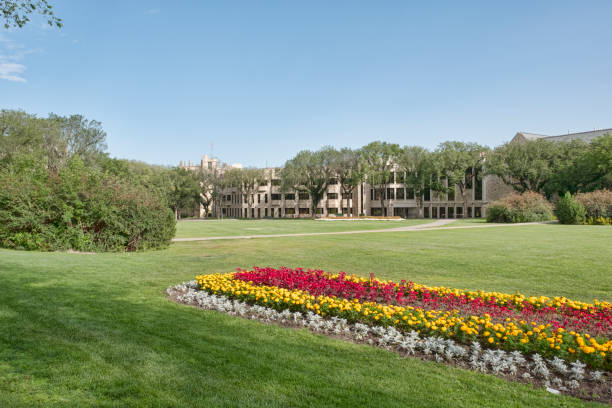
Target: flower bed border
{"x":554,"y":375}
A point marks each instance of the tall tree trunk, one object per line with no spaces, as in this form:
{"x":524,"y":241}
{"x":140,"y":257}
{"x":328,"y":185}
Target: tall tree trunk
{"x":465,"y":201}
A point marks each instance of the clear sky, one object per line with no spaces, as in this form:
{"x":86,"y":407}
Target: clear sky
{"x":265,"y":79}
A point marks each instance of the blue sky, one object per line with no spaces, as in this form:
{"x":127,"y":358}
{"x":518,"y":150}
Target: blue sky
{"x":265,"y":79}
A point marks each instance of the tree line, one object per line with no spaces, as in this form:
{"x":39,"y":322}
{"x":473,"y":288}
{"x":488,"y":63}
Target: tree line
{"x":453,"y":167}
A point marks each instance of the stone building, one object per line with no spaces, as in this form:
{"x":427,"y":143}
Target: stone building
{"x":269,"y":202}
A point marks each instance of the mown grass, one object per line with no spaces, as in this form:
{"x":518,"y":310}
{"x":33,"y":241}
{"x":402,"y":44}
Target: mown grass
{"x":97,"y":330}
{"x":234,"y":227}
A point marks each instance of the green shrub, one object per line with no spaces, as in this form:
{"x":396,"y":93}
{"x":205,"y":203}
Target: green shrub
{"x":525,"y":207}
{"x":570,"y":211}
{"x":598,"y":204}
{"x":599,"y":221}
{"x":78,"y":208}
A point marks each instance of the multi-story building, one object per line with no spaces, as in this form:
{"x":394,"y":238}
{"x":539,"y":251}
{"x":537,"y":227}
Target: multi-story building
{"x":268,"y":201}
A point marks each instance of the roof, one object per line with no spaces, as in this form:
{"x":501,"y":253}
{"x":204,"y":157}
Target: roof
{"x":586,"y":136}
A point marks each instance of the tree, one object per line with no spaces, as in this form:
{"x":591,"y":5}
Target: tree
{"x":16,"y":13}
{"x":348,"y":168}
{"x":183,"y":190}
{"x":378,"y":159}
{"x":584,"y":167}
{"x":457,"y":162}
{"x":532,"y":165}
{"x":309,"y":172}
{"x":54,"y":139}
{"x":212,"y":183}
{"x":81,"y":136}
{"x":247,"y":181}
{"x":419,"y":168}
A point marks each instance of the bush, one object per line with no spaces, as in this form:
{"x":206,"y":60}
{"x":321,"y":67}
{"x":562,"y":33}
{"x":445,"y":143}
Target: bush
{"x":570,"y":211}
{"x":525,"y":207}
{"x":78,"y":208}
{"x":598,"y":206}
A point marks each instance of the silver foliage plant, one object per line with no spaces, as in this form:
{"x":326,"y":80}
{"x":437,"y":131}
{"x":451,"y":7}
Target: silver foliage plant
{"x":555,"y":373}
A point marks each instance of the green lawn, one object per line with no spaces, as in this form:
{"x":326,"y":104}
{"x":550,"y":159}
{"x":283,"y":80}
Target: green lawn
{"x":467,"y":221}
{"x":234,"y":227}
{"x":97,"y":330}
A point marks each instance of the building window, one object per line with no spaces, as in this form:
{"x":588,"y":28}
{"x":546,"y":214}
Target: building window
{"x":374,"y":194}
{"x":426,"y":212}
{"x":478,"y":183}
{"x":303,"y":196}
{"x":319,"y":210}
{"x":400,"y":177}
{"x":304,"y":211}
{"x":276,"y":182}
{"x":468,"y":178}
{"x":289,"y":211}
{"x":477,"y":212}
{"x":459,"y":211}
{"x":333,"y":211}
{"x":275,"y":197}
{"x":469,"y":213}
{"x":265,"y":212}
{"x":332,"y":196}
{"x":427,"y":195}
{"x":434,"y":212}
{"x":290,"y":196}
{"x":333,"y":181}
{"x":410,"y":193}
{"x":258,"y":198}
{"x":266,"y":198}
{"x":346,"y":196}
{"x":390,"y":193}
{"x":377,"y":211}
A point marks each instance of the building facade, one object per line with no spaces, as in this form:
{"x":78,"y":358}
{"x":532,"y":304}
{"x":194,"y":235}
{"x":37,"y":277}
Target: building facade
{"x":268,"y":201}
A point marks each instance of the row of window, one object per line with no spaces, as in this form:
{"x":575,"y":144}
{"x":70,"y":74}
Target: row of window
{"x":274,"y":212}
{"x":408,"y":194}
{"x":277,"y":197}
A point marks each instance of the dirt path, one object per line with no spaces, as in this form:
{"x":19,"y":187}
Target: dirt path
{"x":436,"y":225}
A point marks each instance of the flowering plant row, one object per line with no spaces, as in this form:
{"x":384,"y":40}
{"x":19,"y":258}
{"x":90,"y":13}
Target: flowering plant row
{"x":594,"y":319}
{"x":508,"y":334}
{"x":555,"y":374}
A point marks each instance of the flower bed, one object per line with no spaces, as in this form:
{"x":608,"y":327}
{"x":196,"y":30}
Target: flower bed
{"x":554,"y":374}
{"x":499,"y":321}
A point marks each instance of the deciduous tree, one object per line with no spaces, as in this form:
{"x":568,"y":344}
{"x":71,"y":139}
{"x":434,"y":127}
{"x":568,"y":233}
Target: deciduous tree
{"x":309,"y":172}
{"x":419,"y":168}
{"x":16,"y":13}
{"x":456,"y":162}
{"x":378,"y":159}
